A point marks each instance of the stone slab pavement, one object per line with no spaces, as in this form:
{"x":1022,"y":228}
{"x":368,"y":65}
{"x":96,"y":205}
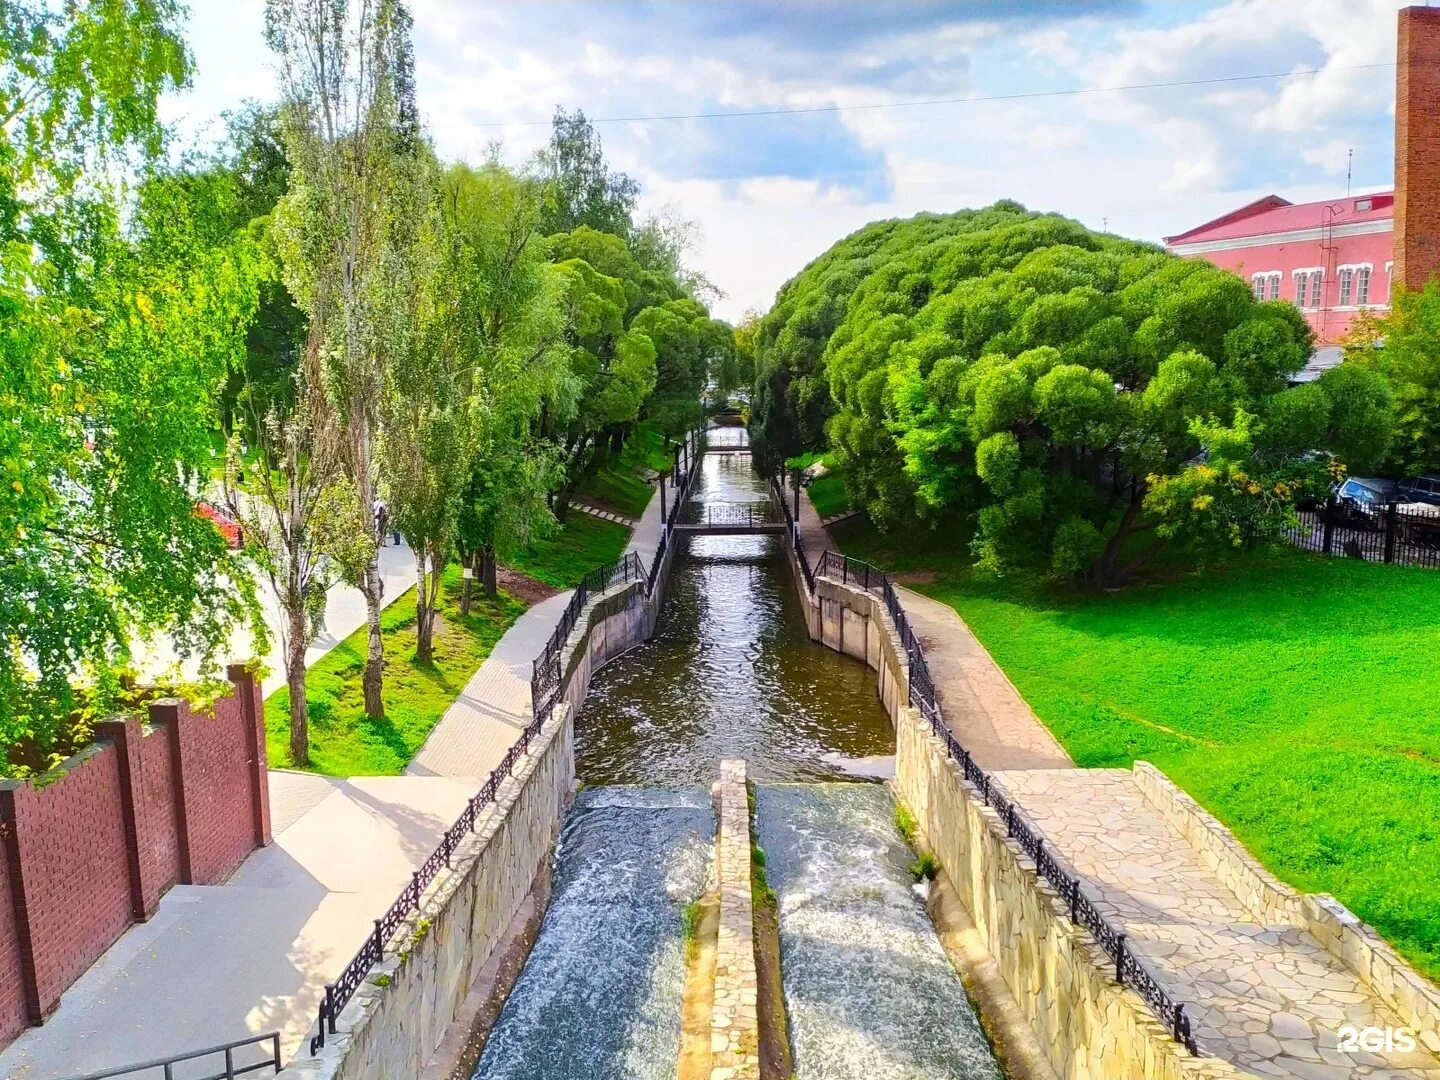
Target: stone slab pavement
{"x":1267,"y":997}
{"x":219,"y":962}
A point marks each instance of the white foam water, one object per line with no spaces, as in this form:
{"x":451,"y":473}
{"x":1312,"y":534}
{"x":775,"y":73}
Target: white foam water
{"x":600,"y":994}
{"x":869,"y":992}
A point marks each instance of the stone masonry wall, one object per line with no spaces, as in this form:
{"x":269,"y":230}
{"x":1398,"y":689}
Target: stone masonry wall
{"x":400,"y":1013}
{"x":92,"y":846}
{"x":1356,"y":945}
{"x":1092,"y":1028}
{"x":734,"y":1014}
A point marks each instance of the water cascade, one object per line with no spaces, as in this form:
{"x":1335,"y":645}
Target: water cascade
{"x":868,"y":990}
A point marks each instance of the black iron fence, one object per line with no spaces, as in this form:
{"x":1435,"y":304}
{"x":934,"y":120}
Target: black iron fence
{"x":545,"y":688}
{"x":752,"y":515}
{"x":1404,"y":533}
{"x":1128,"y":969}
{"x":239,"y":1058}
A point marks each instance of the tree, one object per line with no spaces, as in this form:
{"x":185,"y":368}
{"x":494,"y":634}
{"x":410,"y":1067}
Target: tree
{"x":580,"y":188}
{"x":118,"y":316}
{"x":350,"y":219}
{"x":1076,"y":401}
{"x":296,"y":517}
{"x":509,"y":317}
{"x":1404,"y":347}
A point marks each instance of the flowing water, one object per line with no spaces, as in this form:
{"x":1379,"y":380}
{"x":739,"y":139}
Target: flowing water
{"x":600,"y":992}
{"x":868,"y":989}
{"x":731,"y":672}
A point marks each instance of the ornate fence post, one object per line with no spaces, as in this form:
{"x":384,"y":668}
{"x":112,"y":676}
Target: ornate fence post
{"x":1392,"y":521}
{"x":1327,"y":526}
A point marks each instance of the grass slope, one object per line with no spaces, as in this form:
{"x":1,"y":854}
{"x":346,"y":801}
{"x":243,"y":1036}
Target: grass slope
{"x":616,"y":483}
{"x":563,"y":559}
{"x":343,"y":742}
{"x":827,"y":493}
{"x":1294,"y":697}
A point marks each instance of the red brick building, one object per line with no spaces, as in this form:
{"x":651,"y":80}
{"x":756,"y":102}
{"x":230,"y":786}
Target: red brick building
{"x":1340,"y":256}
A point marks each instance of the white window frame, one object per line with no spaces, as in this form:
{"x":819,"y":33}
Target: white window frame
{"x":1265,"y":284}
{"x":1364,"y":275}
{"x":1306,"y":290}
{"x":1349,"y":292}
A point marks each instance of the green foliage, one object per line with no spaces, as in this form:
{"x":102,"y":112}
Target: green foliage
{"x":906,"y":825}
{"x":924,"y":867}
{"x":580,"y":189}
{"x":616,"y":482}
{"x":343,"y":740}
{"x":1077,"y":400}
{"x":690,"y":916}
{"x":1288,"y":695}
{"x":1404,"y":346}
{"x":562,"y":558}
{"x":118,"y":318}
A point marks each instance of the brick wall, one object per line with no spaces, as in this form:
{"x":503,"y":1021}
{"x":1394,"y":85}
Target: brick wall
{"x":1417,"y":147}
{"x":93,"y":846}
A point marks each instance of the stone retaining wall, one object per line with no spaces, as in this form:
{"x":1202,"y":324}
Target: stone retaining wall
{"x":402,"y":1011}
{"x":734,"y":1015}
{"x":1356,"y":945}
{"x":1091,"y":1027}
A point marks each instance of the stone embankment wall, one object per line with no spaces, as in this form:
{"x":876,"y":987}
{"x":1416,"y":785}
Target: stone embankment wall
{"x":402,"y":1011}
{"x":93,"y":845}
{"x":397,"y":1020}
{"x":1091,"y":1027}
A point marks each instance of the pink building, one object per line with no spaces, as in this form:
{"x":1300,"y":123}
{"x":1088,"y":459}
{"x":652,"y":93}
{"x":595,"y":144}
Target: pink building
{"x":1331,"y":258}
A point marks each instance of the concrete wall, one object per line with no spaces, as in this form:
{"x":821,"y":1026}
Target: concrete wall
{"x":854,"y":622}
{"x":402,"y":1010}
{"x":1091,"y":1027}
{"x":92,"y":846}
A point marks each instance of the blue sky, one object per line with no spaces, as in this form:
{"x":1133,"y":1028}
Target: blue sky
{"x":770,"y":193}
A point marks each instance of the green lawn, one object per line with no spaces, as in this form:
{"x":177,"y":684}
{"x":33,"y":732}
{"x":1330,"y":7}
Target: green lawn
{"x":563,"y":559}
{"x":827,"y":493}
{"x":1294,"y":697}
{"x":616,"y":483}
{"x":342,"y":741}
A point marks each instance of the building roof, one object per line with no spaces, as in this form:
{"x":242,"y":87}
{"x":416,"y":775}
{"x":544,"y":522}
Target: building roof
{"x":1272,"y":214}
{"x":1321,"y":360}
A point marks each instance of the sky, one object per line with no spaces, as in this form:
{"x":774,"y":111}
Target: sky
{"x":770,"y":193}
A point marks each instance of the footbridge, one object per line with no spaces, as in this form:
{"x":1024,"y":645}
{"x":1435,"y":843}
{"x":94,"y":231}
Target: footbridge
{"x":735,"y":519}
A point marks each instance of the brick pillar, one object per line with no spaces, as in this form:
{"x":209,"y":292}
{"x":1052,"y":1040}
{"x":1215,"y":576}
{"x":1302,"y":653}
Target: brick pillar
{"x":172,"y":714}
{"x":145,"y":888}
{"x":1417,"y":148}
{"x":252,"y":708}
{"x":11,"y":793}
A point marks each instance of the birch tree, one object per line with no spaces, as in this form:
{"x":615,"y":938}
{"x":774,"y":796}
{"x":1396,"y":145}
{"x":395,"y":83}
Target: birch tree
{"x":347,"y":223}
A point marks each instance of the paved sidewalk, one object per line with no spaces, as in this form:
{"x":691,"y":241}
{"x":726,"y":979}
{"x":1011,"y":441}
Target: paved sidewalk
{"x":253,"y":955}
{"x":1268,"y":998}
{"x":983,"y":709}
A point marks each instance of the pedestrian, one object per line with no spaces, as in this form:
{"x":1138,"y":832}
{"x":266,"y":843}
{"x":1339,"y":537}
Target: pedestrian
{"x":382,"y":519}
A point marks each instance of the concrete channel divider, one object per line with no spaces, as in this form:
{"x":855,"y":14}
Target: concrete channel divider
{"x":734,"y":1014}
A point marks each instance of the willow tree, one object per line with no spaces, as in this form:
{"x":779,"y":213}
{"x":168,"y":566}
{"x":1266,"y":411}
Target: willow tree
{"x":348,"y":223}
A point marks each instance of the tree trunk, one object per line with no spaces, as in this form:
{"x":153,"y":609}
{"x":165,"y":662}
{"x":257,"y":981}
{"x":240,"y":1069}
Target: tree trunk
{"x":295,"y":680}
{"x":424,"y":611}
{"x":467,"y":573}
{"x":373,"y":679}
{"x":488,"y":573}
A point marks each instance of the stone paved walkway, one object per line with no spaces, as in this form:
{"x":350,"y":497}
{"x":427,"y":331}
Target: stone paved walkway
{"x":604,"y":515}
{"x":1268,"y":998}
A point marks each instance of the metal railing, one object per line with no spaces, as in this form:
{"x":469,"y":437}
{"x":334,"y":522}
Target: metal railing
{"x":750,"y":515}
{"x":1403,"y":533}
{"x":227,"y":1051}
{"x":545,"y":687}
{"x":794,"y":527}
{"x":1128,"y":969}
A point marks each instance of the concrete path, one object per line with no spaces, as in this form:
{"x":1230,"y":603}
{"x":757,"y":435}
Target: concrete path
{"x":344,"y":614}
{"x":253,"y":955}
{"x":981,"y":706}
{"x":1268,"y":998}
{"x":488,"y":716}
{"x":986,"y":713}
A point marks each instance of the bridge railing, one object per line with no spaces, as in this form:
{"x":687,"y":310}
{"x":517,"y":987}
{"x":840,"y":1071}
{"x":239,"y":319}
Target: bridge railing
{"x":1129,"y":971}
{"x":233,"y":1059}
{"x":737,"y":515}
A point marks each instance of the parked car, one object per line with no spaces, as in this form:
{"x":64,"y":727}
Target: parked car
{"x":1362,"y":499}
{"x":1419,"y":489}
